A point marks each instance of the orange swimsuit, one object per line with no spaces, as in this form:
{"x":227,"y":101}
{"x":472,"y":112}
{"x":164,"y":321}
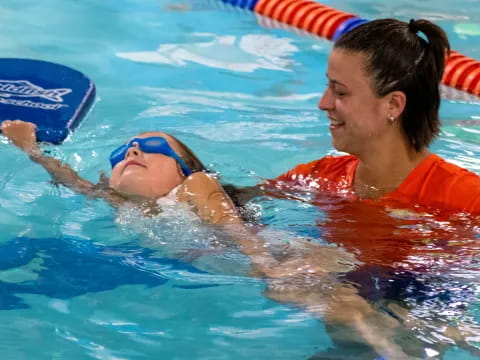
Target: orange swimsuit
{"x":380,"y":231}
{"x":434,"y":183}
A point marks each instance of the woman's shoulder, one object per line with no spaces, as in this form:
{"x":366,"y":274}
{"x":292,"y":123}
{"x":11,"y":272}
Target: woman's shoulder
{"x":438,"y":182}
{"x":447,"y":172}
{"x":461,"y":186}
{"x":326,"y":167}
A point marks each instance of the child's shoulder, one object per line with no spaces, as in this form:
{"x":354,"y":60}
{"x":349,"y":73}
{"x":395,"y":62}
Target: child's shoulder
{"x":209,"y":199}
{"x":199,"y":182}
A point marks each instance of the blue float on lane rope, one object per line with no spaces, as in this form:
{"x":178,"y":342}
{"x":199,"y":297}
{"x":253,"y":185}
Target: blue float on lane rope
{"x":348,"y":25}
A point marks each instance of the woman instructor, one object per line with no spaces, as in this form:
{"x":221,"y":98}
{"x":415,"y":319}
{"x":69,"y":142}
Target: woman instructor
{"x":382,"y":101}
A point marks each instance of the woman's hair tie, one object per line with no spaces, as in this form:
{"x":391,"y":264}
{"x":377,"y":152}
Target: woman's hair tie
{"x":413,"y":27}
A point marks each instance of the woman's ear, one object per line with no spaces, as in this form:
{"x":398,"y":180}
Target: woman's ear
{"x":397,"y":101}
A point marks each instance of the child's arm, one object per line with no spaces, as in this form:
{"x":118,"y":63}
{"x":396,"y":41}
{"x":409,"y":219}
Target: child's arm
{"x":22,"y":134}
{"x":214,"y":206}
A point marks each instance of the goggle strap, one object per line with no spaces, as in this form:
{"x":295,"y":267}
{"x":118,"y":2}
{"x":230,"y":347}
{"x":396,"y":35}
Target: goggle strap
{"x":185,"y":169}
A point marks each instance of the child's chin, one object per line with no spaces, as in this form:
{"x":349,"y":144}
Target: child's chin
{"x":140,"y":194}
{"x":134,"y":189}
{"x":132,"y":192}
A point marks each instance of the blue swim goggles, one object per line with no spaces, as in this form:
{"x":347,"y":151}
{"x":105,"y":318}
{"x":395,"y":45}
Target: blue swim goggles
{"x":153,"y":145}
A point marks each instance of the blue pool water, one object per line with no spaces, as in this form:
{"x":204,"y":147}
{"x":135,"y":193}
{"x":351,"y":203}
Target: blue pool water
{"x":79,"y":280}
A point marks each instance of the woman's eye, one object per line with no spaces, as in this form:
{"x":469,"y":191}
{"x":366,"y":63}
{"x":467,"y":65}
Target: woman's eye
{"x":336,"y":91}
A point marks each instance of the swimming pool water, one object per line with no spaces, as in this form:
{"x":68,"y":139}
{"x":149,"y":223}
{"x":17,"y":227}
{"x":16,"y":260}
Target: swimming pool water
{"x":81,"y":281}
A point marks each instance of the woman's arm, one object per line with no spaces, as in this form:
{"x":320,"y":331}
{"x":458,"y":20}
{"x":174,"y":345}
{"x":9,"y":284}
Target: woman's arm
{"x":22,"y":134}
{"x":338,"y":304}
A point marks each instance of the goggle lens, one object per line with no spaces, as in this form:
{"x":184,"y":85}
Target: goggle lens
{"x":153,"y":145}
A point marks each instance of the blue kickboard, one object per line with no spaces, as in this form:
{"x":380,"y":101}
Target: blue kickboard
{"x":54,"y":97}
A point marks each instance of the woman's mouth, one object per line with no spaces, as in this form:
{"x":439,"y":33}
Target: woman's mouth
{"x":336,"y":124}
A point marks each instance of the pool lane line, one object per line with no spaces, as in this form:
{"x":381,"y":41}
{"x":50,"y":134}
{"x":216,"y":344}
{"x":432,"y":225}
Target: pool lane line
{"x":461,"y":72}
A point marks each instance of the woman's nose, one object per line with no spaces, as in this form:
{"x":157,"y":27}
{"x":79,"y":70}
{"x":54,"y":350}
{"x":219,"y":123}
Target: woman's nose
{"x":326,"y":101}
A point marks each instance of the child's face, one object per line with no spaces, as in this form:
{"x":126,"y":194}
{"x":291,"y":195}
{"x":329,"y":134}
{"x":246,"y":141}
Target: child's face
{"x":147,"y":175}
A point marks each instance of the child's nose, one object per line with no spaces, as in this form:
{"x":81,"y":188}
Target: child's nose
{"x":133,"y":150}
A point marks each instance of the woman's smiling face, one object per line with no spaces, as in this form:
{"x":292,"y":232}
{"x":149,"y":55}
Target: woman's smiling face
{"x":147,"y":175}
{"x":358,"y":117}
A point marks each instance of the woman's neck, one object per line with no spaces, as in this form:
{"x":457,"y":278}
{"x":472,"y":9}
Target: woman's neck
{"x":382,"y":170}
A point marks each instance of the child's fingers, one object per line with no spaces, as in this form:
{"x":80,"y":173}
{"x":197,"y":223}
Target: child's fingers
{"x":17,"y":123}
{"x":5,"y":124}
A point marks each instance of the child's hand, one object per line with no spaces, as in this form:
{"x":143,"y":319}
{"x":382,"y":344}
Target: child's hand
{"x":21,"y":133}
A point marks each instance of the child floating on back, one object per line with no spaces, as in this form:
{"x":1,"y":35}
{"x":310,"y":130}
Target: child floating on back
{"x":150,"y":166}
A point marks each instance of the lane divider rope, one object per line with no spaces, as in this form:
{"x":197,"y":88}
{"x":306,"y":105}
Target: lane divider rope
{"x":461,"y":72}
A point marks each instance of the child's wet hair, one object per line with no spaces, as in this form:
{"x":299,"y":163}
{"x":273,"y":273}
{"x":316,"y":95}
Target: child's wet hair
{"x":190,"y":159}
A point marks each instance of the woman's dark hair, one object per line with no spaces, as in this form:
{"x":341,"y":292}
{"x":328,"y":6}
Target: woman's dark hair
{"x":401,"y":59}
